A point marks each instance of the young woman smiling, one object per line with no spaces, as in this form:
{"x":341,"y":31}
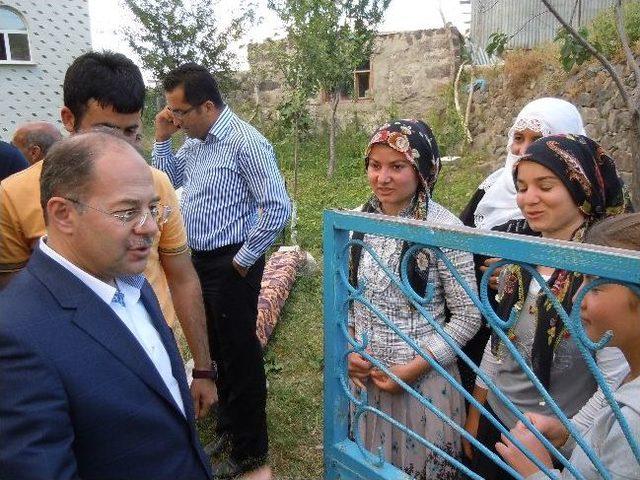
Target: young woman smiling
{"x":402,"y":164}
{"x":564,"y":184}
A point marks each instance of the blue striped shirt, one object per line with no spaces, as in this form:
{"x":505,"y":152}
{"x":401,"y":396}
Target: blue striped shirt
{"x":233,"y":191}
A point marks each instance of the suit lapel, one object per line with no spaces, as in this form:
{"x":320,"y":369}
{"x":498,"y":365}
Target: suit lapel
{"x":98,"y":320}
{"x":177,"y":366}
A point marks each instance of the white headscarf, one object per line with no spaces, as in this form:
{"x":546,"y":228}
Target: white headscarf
{"x":548,"y":116}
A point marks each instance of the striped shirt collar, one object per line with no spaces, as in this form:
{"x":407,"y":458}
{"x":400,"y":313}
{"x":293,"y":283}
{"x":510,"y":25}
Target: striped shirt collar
{"x":222,"y":126}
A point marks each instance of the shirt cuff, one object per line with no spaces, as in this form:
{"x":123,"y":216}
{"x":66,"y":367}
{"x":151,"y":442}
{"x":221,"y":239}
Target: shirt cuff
{"x":245,"y":257}
{"x":440,"y":350}
{"x":162,"y":149}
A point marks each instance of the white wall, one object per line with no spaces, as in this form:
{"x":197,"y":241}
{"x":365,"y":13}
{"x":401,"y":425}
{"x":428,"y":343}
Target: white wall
{"x":59,"y":31}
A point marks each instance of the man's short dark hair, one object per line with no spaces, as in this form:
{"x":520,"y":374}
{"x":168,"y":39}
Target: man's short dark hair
{"x":68,"y":168}
{"x":109,"y":78}
{"x":198,"y":83}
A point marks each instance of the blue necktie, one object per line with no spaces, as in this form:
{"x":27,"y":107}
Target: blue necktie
{"x":118,"y":298}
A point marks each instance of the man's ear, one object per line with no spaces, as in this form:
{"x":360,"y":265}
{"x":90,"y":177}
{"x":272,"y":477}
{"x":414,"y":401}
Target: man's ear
{"x":68,"y":119}
{"x":35,"y":154}
{"x":61,"y":215}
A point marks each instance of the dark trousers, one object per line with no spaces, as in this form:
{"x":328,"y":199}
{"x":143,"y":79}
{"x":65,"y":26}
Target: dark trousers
{"x":488,"y":435}
{"x":231,"y":305}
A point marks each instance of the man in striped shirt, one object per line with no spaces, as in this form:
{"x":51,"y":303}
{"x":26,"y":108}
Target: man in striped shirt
{"x":234,"y":204}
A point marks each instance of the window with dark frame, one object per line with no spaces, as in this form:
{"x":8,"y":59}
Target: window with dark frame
{"x":14,"y":37}
{"x":362,"y":80}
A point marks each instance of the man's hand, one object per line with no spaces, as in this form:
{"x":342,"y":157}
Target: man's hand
{"x":165,"y":127}
{"x":242,"y":271}
{"x":204,"y":394}
{"x":516,"y":458}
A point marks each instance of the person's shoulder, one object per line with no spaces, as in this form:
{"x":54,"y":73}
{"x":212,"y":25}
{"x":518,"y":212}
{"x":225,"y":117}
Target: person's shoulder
{"x":437,"y":213}
{"x":11,"y":155}
{"x":243,"y":130}
{"x":160,"y":179}
{"x":24,"y":182}
{"x":23,"y":301}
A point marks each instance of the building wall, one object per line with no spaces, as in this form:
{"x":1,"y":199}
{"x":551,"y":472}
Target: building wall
{"x":589,"y":88}
{"x":529,"y":18}
{"x":407,"y":73}
{"x":59,"y":31}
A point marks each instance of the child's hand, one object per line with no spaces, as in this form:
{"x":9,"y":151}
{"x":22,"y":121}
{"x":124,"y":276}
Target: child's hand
{"x":359,"y":369}
{"x":550,"y":427}
{"x":516,"y":458}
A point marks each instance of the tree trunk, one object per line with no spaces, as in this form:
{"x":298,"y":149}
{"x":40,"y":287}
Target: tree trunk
{"x":335,"y":98}
{"x":294,"y":210}
{"x":635,"y":168}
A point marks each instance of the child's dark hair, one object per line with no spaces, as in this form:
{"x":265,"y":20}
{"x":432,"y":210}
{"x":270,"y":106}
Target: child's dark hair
{"x":621,"y":231}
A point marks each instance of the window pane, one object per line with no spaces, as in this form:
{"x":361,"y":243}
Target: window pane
{"x":3,"y":50}
{"x":10,"y":20}
{"x":19,"y":46}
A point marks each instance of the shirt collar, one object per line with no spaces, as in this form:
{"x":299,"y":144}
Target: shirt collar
{"x":129,"y":284}
{"x":221,"y":127}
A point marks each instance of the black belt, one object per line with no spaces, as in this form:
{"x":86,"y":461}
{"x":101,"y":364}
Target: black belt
{"x":217,"y":252}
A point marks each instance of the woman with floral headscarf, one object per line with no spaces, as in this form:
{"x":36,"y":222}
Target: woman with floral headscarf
{"x":564,"y":184}
{"x":494,"y":203}
{"x":402,"y":163}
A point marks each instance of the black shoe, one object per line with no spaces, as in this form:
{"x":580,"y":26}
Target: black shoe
{"x":231,"y":469}
{"x":218,"y":446}
{"x":226,"y":469}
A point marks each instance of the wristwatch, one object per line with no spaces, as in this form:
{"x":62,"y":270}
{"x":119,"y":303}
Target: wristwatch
{"x":211,"y":373}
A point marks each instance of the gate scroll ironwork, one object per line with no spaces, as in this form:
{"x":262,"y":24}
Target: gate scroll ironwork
{"x":347,"y":458}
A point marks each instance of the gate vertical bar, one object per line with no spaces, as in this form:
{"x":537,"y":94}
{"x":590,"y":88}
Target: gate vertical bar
{"x":336,"y":406}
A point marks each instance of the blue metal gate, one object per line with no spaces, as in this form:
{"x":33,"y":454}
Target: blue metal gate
{"x":346,"y":458}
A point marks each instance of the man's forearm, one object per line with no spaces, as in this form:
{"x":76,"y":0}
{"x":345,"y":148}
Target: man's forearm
{"x":187,"y":301}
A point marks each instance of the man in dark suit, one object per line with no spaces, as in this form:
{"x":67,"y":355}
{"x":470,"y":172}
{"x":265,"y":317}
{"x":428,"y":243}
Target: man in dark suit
{"x":92,"y":383}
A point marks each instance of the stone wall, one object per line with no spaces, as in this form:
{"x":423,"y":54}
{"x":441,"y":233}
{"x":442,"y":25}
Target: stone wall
{"x":408,"y":71}
{"x":589,"y":87}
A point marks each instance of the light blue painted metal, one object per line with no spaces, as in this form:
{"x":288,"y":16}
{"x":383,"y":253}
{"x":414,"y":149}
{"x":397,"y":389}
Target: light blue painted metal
{"x":345,"y":458}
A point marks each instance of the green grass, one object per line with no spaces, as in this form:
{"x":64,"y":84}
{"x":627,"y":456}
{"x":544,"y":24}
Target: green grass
{"x":294,"y":357}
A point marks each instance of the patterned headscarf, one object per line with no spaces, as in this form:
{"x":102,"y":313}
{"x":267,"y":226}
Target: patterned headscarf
{"x":415,"y":140}
{"x":584,"y":168}
{"x":591,"y":178}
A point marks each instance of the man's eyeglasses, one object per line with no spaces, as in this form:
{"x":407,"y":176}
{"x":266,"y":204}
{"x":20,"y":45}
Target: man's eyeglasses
{"x":181,"y":113}
{"x":160,"y":214}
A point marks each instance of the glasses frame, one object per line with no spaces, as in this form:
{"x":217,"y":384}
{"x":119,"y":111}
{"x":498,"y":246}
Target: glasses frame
{"x":180,"y":114}
{"x":164,"y":212}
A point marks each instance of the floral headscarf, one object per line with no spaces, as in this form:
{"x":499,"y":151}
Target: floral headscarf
{"x":415,"y":140}
{"x":591,"y":178}
{"x":584,"y":168}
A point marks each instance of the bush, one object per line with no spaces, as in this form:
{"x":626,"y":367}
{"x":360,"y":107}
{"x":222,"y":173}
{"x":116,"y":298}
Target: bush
{"x":603,"y":32}
{"x":521,"y":68}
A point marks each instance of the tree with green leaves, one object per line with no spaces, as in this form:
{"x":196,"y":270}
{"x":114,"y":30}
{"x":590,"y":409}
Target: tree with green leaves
{"x":168,"y":33}
{"x":326,"y":41}
{"x":577,"y":44}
